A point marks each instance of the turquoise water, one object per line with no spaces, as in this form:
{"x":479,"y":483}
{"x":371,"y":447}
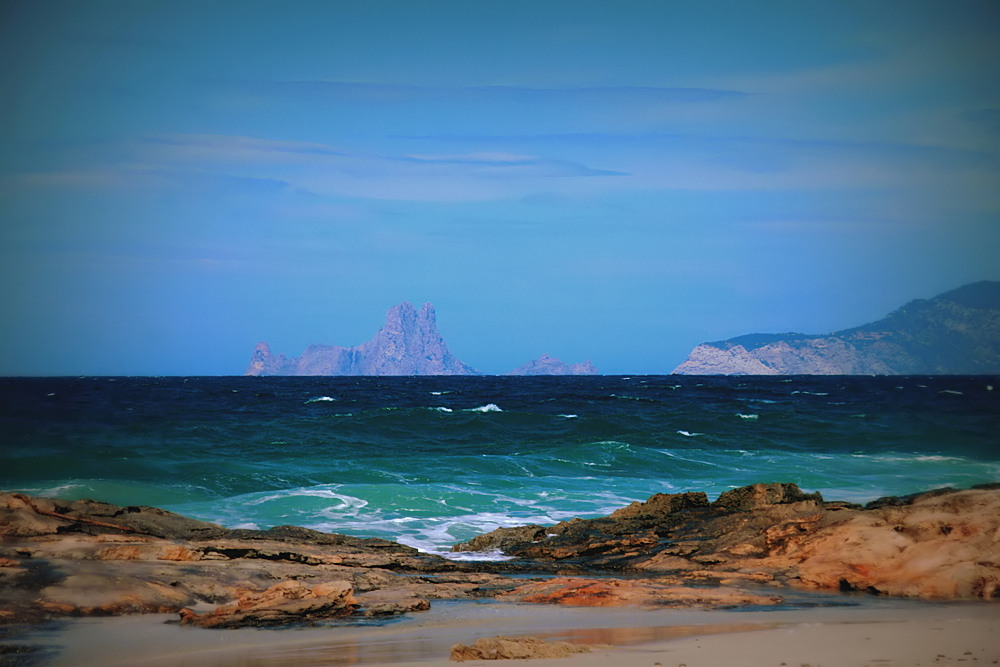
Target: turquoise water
{"x":430,"y":461}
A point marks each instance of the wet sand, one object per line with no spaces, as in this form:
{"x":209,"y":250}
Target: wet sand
{"x":876,"y":632}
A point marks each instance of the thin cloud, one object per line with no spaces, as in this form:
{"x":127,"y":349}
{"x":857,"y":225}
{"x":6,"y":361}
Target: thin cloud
{"x":252,"y":166}
{"x":382,"y":93}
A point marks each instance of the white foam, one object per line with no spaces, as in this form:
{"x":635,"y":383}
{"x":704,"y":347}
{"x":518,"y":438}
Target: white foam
{"x":443,"y":409}
{"x":569,"y":416}
{"x":491,"y":555}
{"x":689,"y":434}
{"x":52,"y":491}
{"x":951,"y":391}
{"x":750,"y":416}
{"x":922,"y":458}
{"x":345,"y":500}
{"x":321,"y":399}
{"x":489,"y":407}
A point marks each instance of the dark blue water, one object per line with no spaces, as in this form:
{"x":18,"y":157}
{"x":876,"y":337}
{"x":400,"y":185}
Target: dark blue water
{"x":430,"y":461}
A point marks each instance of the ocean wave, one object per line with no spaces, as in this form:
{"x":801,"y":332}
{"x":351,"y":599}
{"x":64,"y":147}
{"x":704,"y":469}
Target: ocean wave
{"x":345,"y":501}
{"x":625,"y":397}
{"x":489,"y":407}
{"x":909,"y":458}
{"x":321,"y":399}
{"x":751,"y":416}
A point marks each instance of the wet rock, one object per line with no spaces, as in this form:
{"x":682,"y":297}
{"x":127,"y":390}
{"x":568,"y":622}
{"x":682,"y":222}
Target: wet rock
{"x":757,"y":496}
{"x":583,"y":592}
{"x":502,"y":538}
{"x":661,"y":505}
{"x":514,"y":648}
{"x":284,"y":603}
{"x":390,"y":603}
{"x":941,"y":544}
{"x":94,"y":595}
{"x":71,"y":559}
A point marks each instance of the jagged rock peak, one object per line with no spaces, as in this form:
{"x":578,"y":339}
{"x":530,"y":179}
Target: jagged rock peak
{"x":549,"y":365}
{"x":955,"y":333}
{"x":407,"y":344}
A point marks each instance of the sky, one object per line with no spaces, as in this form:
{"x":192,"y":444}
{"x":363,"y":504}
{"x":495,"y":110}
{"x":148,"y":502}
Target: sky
{"x":612,"y":181}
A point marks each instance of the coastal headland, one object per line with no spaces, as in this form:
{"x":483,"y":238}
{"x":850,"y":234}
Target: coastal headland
{"x":754,"y":547}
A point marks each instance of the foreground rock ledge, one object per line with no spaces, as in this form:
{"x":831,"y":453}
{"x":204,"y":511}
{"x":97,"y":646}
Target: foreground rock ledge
{"x":85,"y":558}
{"x":941,"y":544}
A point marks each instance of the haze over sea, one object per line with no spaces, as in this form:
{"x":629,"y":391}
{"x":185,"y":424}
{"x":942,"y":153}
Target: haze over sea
{"x":431,"y":461}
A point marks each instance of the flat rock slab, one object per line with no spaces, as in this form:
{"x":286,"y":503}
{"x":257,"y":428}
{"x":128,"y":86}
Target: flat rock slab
{"x":514,"y":648}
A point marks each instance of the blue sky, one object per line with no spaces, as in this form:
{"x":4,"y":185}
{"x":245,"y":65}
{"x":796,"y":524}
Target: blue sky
{"x":594,"y":180}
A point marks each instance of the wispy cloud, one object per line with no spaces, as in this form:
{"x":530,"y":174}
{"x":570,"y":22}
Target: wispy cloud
{"x":382,"y":93}
{"x":235,"y":164}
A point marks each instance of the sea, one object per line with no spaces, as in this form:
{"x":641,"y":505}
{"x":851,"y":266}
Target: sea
{"x":432,"y":461}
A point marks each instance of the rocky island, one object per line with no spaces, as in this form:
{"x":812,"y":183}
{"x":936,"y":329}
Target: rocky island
{"x":956,"y":333}
{"x":549,"y":365}
{"x":407,"y":344}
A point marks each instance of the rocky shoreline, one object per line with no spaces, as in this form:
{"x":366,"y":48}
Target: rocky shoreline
{"x":63,"y":559}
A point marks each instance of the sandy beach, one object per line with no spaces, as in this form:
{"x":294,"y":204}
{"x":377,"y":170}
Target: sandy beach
{"x":872,"y":632}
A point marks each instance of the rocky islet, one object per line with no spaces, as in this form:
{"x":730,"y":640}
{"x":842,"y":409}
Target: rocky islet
{"x":408,"y":343}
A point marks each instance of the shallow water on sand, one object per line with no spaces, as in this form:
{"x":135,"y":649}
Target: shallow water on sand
{"x":149,"y":640}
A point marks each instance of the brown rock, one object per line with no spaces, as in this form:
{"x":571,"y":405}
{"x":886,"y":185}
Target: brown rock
{"x":582,"y":592}
{"x":283,"y":603}
{"x":388,"y":602}
{"x":514,"y":648}
{"x":502,"y":538}
{"x":662,"y":505}
{"x":177,"y":552}
{"x":94,"y":595}
{"x":940,"y":546}
{"x":757,"y":496}
{"x":943,"y":544}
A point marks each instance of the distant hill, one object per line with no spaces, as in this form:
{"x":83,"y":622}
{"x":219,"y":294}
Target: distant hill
{"x":955,"y":333}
